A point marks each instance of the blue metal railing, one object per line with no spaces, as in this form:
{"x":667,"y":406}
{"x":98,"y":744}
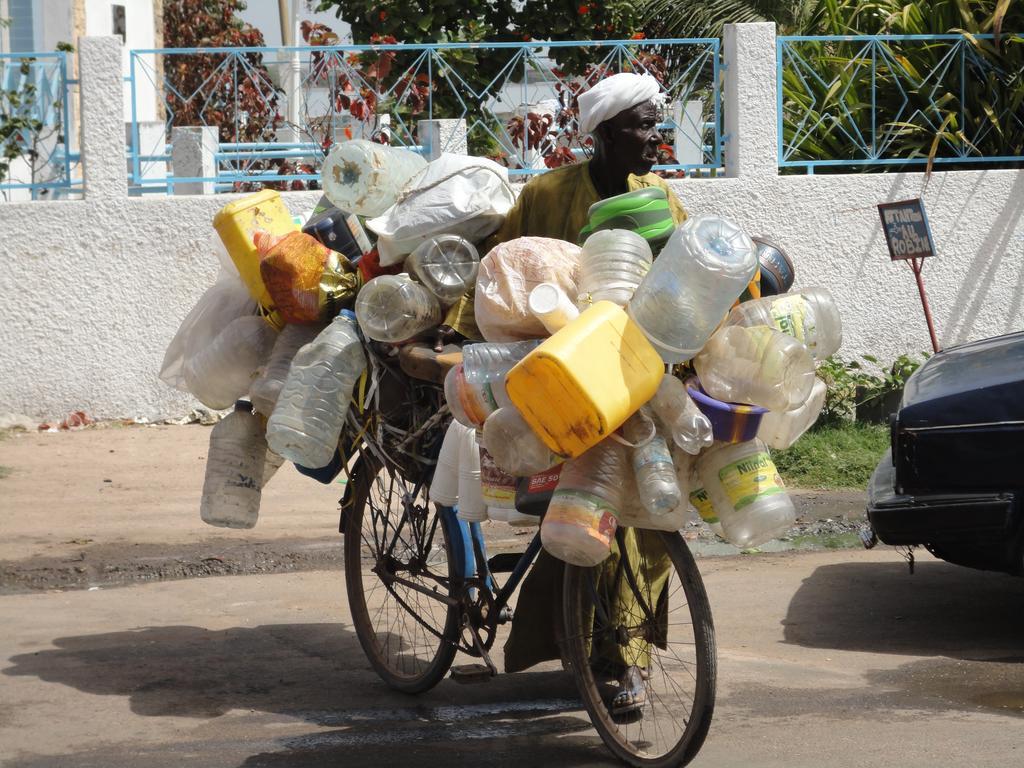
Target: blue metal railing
{"x":36,"y":92}
{"x":382,"y":91}
{"x":890,"y":101}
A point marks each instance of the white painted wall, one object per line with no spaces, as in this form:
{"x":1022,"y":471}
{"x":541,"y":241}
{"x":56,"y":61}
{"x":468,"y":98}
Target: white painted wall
{"x":95,"y":289}
{"x":140,"y":32}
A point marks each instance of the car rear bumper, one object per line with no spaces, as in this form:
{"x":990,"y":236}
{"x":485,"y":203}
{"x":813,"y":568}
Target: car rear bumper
{"x":976,"y":518}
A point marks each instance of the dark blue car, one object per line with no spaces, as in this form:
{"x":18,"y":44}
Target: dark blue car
{"x":954,"y":475}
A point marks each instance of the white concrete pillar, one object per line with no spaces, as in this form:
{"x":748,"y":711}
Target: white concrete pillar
{"x":750,"y":101}
{"x":194,"y":155}
{"x":439,"y":136}
{"x":102,"y":95}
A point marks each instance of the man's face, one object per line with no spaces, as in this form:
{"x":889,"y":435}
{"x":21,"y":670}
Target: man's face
{"x":633,"y":137}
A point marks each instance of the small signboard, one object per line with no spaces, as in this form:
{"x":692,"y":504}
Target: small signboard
{"x":906,"y":230}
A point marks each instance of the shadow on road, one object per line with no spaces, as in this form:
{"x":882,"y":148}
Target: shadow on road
{"x":940,"y":610}
{"x":316,"y":673}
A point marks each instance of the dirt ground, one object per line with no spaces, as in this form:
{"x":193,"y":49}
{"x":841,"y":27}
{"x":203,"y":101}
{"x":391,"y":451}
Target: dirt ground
{"x":120,"y":504}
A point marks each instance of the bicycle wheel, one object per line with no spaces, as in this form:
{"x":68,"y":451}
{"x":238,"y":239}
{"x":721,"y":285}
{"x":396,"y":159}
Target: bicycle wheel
{"x":644,"y":607}
{"x":396,"y":573}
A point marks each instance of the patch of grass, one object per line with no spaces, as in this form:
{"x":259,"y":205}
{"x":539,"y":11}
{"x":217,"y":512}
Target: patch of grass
{"x":833,"y":456}
{"x":4,"y":471}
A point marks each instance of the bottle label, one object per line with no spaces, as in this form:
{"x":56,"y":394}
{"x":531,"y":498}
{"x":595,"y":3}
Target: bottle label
{"x":358,"y":233}
{"x":589,"y":512}
{"x":751,"y":479}
{"x":793,"y":316}
{"x":654,"y":452}
{"x":702,"y":503}
{"x":544,"y":482}
{"x":477,"y":402}
{"x":497,"y":487}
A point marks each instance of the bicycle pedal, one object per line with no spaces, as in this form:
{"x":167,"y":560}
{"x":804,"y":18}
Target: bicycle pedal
{"x":471,"y":673}
{"x":504,"y":562}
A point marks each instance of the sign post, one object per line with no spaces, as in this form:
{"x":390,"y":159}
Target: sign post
{"x":909,"y":238}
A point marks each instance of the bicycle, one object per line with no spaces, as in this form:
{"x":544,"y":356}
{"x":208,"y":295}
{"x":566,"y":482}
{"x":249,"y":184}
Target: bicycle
{"x":422,"y":588}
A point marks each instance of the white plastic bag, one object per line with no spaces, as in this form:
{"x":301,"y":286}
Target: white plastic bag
{"x":454,"y":195}
{"x":507,"y":276}
{"x":226,"y":300}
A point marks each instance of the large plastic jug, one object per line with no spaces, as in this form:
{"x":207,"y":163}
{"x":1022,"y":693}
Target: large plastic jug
{"x":393,"y":308}
{"x":780,"y":429}
{"x":581,"y":518}
{"x":612,"y":264}
{"x":809,"y":315}
{"x":702,"y":504}
{"x":703,"y":269}
{"x":581,"y":384}
{"x":757,"y":365}
{"x":235,"y":467}
{"x":365,"y":177}
{"x":311,"y":409}
{"x":237,"y":222}
{"x":746,"y":491}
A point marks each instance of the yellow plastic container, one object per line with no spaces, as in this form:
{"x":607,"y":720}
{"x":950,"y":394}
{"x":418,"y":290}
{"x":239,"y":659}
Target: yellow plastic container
{"x":237,"y":222}
{"x":582,"y":383}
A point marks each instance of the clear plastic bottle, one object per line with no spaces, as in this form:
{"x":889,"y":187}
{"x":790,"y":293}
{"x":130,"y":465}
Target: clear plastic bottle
{"x":758,"y":366}
{"x":780,"y":429}
{"x":224,"y":370}
{"x":652,"y":464}
{"x":498,"y":487}
{"x":267,"y":387}
{"x":234,"y":470}
{"x":310,"y":413}
{"x":703,"y":268}
{"x":472,"y":507}
{"x":746,"y":492}
{"x":612,"y":264}
{"x":689,"y":427}
{"x":365,"y":177}
{"x":486,"y":364}
{"x":634,"y":515}
{"x":514,"y":446}
{"x":581,"y":519}
{"x":393,"y":308}
{"x":446,"y":265}
{"x":809,"y":315}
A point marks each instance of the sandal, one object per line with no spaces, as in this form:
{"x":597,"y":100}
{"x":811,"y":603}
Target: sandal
{"x":632,"y":693}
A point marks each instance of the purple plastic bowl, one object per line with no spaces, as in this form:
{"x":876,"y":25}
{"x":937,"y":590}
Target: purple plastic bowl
{"x":730,"y":422}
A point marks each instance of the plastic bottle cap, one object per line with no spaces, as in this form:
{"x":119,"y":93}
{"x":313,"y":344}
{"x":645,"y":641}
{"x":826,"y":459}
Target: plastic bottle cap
{"x":348,"y":313}
{"x":544,"y":298}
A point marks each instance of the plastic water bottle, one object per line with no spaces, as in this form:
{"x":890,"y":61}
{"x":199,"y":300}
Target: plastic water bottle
{"x":612,"y":264}
{"x":810,"y":316}
{"x":758,"y":365}
{"x":581,"y":518}
{"x":306,"y":424}
{"x":689,"y":427}
{"x":514,"y":446}
{"x":393,"y":308}
{"x":703,"y":268}
{"x":224,"y":370}
{"x":472,"y":507}
{"x":365,"y":177}
{"x":633,"y":514}
{"x":267,"y":387}
{"x":780,"y":429}
{"x":444,"y":487}
{"x":746,"y":492}
{"x":498,"y":487}
{"x":446,"y":265}
{"x":234,"y":470}
{"x":652,"y":464}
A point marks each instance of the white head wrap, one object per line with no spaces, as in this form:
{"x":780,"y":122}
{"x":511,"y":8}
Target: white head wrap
{"x":613,"y":95}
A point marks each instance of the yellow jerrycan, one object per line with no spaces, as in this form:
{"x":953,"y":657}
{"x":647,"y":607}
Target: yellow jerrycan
{"x":581,"y":384}
{"x":237,"y":222}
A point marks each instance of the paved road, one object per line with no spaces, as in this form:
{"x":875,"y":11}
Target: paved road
{"x":828,"y":658}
